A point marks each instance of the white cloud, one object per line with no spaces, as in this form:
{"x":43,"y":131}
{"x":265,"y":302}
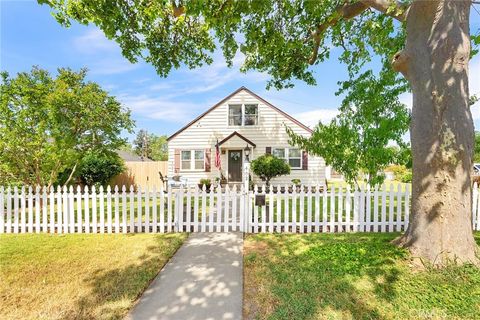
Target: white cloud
{"x":94,"y":41}
{"x":311,"y":118}
{"x":161,"y":108}
{"x":208,"y":77}
{"x":474,"y":85}
{"x":112,"y":66}
{"x":406,"y":98}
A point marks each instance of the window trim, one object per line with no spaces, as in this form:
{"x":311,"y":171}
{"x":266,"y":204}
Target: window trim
{"x":192,"y":160}
{"x":243,"y":115}
{"x":287,"y":156}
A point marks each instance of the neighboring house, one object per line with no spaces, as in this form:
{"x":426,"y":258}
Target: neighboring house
{"x":128,"y":156}
{"x":241,"y":119}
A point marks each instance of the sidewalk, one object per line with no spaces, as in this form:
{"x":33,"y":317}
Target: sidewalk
{"x":203,"y":280}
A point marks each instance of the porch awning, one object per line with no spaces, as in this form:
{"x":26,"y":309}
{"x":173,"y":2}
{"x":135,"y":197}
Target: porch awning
{"x":238,"y":135}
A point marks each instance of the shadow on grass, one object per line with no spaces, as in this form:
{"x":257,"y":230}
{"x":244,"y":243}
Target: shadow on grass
{"x":352,"y":276}
{"x":113,"y":291}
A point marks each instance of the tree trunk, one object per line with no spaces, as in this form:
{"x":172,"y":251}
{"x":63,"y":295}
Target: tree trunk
{"x":435,"y":61}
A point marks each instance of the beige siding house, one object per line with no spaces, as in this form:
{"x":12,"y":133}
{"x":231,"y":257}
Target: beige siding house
{"x":242,"y":119}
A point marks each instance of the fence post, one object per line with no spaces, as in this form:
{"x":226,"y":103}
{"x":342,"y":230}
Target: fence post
{"x":87,"y":209}
{"x":407,"y":207}
{"x":72,"y":210}
{"x":102,"y":210}
{"x":242,"y":208}
{"x":124,"y":209}
{"x":94,"y":210}
{"x":79,"y":210}
{"x":475,"y":216}
{"x":22,"y":210}
{"x":44,"y":210}
{"x":219,"y":209}
{"x":348,"y":209}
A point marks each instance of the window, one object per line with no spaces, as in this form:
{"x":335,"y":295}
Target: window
{"x":186,"y":160}
{"x":235,"y":115}
{"x":295,"y":158}
{"x":251,"y":114}
{"x":292,"y":156}
{"x":279,"y":153}
{"x":197,"y":162}
{"x":243,"y":114}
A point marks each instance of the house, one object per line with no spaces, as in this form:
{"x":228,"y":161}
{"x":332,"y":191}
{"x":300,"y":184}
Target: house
{"x":241,"y":120}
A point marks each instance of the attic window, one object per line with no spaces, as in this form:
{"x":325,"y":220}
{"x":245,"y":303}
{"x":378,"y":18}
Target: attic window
{"x":243,"y":114}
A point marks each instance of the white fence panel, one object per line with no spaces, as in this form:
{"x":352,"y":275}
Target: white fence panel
{"x":295,"y":209}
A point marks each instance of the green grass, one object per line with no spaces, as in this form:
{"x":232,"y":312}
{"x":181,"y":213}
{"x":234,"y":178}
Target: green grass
{"x":350,"y":276}
{"x":78,"y":276}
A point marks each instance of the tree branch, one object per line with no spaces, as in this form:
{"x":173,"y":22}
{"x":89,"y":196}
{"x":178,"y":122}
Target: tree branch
{"x":348,"y":11}
{"x":345,"y":11}
{"x":391,"y":8}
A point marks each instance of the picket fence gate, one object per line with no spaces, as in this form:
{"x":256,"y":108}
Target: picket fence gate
{"x":287,"y":209}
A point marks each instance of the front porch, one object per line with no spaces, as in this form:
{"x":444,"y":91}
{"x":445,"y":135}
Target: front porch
{"x":234,"y":150}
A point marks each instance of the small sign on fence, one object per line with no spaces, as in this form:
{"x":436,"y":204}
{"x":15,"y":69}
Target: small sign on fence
{"x":260,"y":200}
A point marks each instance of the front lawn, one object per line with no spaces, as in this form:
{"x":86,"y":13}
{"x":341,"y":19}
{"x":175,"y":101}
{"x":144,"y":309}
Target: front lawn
{"x":78,"y":276}
{"x":350,"y":276}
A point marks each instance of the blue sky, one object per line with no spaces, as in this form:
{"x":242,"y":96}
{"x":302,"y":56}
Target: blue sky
{"x":30,"y":36}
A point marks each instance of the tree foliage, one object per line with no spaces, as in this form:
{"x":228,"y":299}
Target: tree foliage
{"x":422,"y":42}
{"x":267,"y":167}
{"x":99,"y":168}
{"x":357,"y":140}
{"x":48,"y":123}
{"x":151,"y":146}
{"x":476,"y":154}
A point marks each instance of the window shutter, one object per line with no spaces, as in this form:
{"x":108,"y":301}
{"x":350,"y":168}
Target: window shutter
{"x":304,"y":160}
{"x":176,"y":161}
{"x":268,"y":150}
{"x":208,"y":152}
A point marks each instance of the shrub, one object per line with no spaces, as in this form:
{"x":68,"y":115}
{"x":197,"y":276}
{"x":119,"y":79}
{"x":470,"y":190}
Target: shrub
{"x":401,"y":173}
{"x":296,"y":182}
{"x":267,"y":167}
{"x":96,"y":168}
{"x":206,"y":182}
{"x":407,"y":177}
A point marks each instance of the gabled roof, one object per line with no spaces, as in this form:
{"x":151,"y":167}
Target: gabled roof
{"x":129,"y":156}
{"x":235,"y":133}
{"x":231,"y":95}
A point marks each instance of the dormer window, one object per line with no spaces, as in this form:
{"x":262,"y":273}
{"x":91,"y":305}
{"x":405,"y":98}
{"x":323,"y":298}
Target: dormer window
{"x":243,"y":114}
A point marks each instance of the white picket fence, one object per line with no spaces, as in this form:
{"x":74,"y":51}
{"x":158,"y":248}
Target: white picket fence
{"x":308,"y":209}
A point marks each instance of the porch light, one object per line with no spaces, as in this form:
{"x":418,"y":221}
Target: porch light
{"x":247,"y":153}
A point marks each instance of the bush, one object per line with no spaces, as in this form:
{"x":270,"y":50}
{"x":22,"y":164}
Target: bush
{"x":97,"y":168}
{"x":267,"y":167}
{"x":401,"y":173}
{"x":407,"y":177}
{"x":206,"y":182}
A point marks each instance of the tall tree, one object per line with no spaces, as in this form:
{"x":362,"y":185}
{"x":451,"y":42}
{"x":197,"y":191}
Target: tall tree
{"x":426,"y":42}
{"x":151,"y":146}
{"x":47,"y":124}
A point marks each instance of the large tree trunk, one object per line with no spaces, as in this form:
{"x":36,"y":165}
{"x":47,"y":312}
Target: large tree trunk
{"x":435,"y":61}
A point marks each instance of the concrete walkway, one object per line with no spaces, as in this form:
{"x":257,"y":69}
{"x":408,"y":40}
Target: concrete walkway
{"x":203,"y":281}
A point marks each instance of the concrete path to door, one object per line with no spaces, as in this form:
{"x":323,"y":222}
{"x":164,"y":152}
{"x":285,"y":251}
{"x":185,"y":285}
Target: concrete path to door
{"x":202,"y":281}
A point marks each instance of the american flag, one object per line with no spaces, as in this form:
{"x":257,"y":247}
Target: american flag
{"x":218,"y":163}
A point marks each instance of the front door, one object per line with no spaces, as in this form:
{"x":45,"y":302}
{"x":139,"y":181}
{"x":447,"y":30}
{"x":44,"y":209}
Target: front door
{"x":234,"y":165}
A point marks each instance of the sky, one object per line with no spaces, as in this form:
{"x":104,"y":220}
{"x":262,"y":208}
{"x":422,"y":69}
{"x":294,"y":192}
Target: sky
{"x":30,"y":36}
